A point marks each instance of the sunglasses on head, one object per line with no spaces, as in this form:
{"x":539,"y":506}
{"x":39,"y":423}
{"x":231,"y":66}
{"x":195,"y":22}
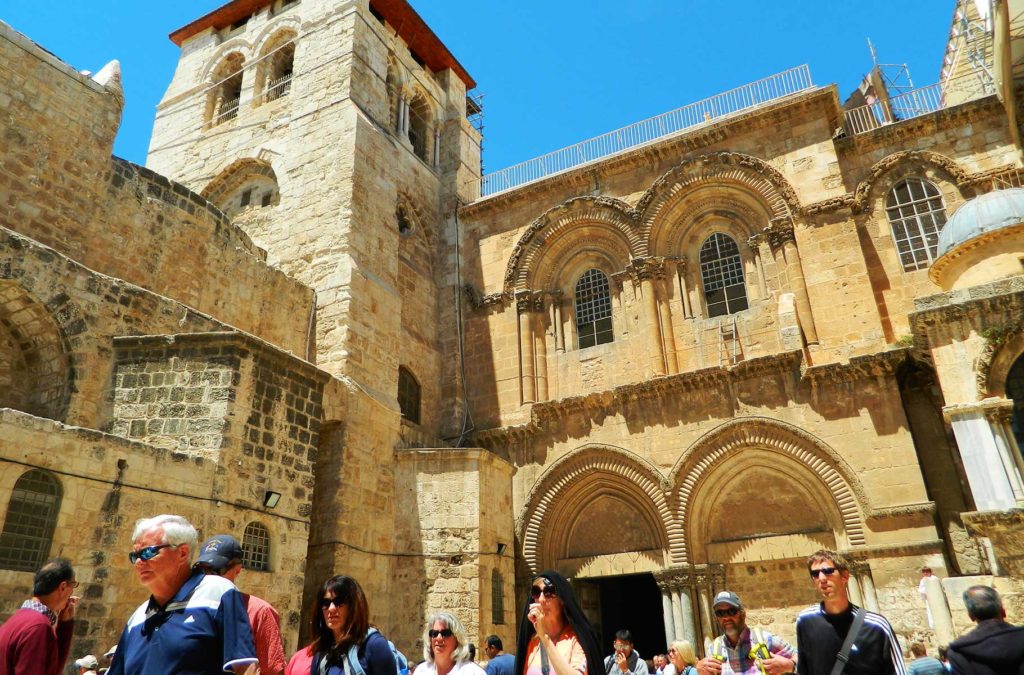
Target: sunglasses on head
{"x":827,"y":571}
{"x":727,"y":611}
{"x":547,"y":591}
{"x":147,"y":553}
{"x":444,"y":632}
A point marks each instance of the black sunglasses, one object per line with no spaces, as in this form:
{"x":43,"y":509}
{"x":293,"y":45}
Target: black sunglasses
{"x":729,"y":611}
{"x":444,"y":632}
{"x":827,"y":571}
{"x":327,"y":602}
{"x":548,"y":591}
{"x":147,"y":553}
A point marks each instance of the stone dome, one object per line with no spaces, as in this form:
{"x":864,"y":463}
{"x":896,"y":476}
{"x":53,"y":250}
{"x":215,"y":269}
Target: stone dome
{"x":989,"y":212}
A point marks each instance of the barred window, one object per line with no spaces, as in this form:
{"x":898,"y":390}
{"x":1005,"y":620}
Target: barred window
{"x":916,"y":215}
{"x":408,"y":395}
{"x":256,"y":547}
{"x":721,"y":270}
{"x":31,"y":518}
{"x":593,"y":309}
{"x":497,"y":597}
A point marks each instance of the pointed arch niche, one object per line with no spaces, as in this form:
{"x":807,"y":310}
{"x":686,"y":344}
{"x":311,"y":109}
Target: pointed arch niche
{"x":598,"y":511}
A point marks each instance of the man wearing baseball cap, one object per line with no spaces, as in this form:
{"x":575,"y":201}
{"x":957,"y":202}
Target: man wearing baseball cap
{"x":87,"y":664}
{"x":222,"y":555}
{"x":741,"y":650}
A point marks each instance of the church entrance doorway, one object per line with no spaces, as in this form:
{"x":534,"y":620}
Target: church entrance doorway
{"x":630,"y":601}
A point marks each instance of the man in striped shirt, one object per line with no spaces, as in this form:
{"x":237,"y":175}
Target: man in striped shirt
{"x":821,"y":629}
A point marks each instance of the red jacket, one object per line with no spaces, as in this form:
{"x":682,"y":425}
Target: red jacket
{"x":30,"y":646}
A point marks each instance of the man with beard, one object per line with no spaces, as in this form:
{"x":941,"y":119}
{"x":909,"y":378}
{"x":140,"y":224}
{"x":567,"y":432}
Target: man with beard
{"x":742,"y":650}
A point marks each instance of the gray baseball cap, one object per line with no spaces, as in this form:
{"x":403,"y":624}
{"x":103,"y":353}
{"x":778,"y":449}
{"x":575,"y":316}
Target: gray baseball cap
{"x":727,"y":598}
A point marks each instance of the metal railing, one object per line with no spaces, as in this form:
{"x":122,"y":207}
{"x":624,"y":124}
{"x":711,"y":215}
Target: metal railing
{"x":228,"y":111}
{"x":742,"y":98}
{"x":912,"y":104}
{"x":278,"y":88}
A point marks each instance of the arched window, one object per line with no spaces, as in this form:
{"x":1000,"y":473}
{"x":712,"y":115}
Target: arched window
{"x":226,"y":91}
{"x":916,"y":215}
{"x":420,"y":123}
{"x":275,"y":78}
{"x":30,"y":521}
{"x":408,"y":395}
{"x":1015,"y":391}
{"x":256,"y":547}
{"x":593,"y":310}
{"x":721,"y":270}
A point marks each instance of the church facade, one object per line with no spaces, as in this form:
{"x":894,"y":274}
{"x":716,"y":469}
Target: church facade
{"x":672,"y":368}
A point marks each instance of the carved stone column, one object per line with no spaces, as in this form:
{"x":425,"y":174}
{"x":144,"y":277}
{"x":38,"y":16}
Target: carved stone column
{"x":782,"y":238}
{"x":754,"y":242}
{"x":993,"y":476}
{"x":557,"y":330}
{"x":862,"y":571}
{"x":684,"y":292}
{"x":667,"y":273}
{"x":1000,"y":416}
{"x":540,"y":348}
{"x":524,"y":306}
{"x":667,"y":613}
{"x":644,"y":272}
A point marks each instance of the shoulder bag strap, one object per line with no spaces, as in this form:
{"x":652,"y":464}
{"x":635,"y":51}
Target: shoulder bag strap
{"x":844,"y":654}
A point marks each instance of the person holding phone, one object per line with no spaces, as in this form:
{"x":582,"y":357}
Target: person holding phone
{"x":555,"y":637}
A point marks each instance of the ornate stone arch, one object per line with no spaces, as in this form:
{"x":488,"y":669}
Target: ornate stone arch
{"x":681,"y":226}
{"x":275,"y":60}
{"x":993,"y":364}
{"x":270,"y":32}
{"x":745,"y":174}
{"x":236,"y":45}
{"x":614,"y":215}
{"x":730,"y":438}
{"x":907,"y":162}
{"x":35,"y":364}
{"x":235,"y":176}
{"x":610,"y":467}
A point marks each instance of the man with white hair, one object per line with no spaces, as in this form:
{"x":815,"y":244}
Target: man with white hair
{"x":192,"y":622}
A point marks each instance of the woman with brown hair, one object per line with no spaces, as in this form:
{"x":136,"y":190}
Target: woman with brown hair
{"x":341,"y":630}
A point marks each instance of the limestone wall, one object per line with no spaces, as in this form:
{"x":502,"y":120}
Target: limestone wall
{"x":110,"y":482}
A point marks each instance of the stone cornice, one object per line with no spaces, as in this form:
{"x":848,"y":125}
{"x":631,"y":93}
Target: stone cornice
{"x":858,"y":368}
{"x":922,"y":509}
{"x":994,"y":299}
{"x":479,"y":301}
{"x":867,"y":553}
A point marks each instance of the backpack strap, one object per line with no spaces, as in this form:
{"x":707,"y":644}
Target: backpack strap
{"x":843,"y":657}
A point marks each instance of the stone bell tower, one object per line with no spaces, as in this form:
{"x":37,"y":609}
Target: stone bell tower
{"x":335,"y":134}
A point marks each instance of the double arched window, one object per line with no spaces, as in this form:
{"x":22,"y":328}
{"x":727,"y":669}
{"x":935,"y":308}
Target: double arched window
{"x":721,"y":270}
{"x":256,"y":547}
{"x":916,"y":215}
{"x":30,"y":521}
{"x":593,"y":309}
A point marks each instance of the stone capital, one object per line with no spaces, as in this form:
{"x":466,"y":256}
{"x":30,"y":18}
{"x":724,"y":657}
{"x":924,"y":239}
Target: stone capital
{"x":780,"y":231}
{"x":529,"y":301}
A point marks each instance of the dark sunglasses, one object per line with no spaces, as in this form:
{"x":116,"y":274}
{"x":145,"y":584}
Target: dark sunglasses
{"x":444,"y":632}
{"x":827,"y":571}
{"x":729,"y":611}
{"x":548,"y":591}
{"x":147,"y":553}
{"x":327,"y":602}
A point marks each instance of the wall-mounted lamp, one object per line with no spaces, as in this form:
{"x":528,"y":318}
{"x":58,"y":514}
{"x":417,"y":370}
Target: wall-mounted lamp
{"x":271,"y":498}
{"x":501,"y":548}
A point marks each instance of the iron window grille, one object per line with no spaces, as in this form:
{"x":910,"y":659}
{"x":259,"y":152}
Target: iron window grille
{"x":916,"y":215}
{"x":721,"y":270}
{"x":256,"y":548}
{"x":31,"y":519}
{"x":593,"y":310}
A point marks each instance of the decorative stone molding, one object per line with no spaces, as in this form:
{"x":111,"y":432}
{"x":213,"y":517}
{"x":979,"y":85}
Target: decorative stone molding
{"x":953,"y":170}
{"x":479,"y":301}
{"x":867,"y":553}
{"x":923,"y":509}
{"x":731,"y":437}
{"x":864,"y":367}
{"x":779,"y":232}
{"x":611,"y":213}
{"x":634,"y":474}
{"x":752,"y":173}
{"x":829,"y":205}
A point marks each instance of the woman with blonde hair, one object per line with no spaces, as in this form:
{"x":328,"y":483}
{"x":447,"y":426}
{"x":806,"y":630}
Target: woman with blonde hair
{"x":446,"y":648}
{"x":681,"y":659}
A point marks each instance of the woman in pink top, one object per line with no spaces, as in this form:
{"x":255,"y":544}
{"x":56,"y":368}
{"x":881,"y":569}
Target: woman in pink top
{"x":555,"y":637}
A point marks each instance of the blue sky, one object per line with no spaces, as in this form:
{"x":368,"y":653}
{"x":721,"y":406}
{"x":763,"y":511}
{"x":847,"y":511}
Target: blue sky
{"x":553,"y":73}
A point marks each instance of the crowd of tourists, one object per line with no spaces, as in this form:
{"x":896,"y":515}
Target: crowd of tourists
{"x":197,"y":621}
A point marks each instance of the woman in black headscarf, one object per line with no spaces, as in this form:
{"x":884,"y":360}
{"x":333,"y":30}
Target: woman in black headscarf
{"x":554,"y":636}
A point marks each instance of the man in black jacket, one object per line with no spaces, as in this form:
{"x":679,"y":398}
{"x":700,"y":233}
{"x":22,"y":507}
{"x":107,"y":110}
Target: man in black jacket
{"x":994,"y":647}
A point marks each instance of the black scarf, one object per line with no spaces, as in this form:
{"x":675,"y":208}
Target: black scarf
{"x":573,"y":614}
